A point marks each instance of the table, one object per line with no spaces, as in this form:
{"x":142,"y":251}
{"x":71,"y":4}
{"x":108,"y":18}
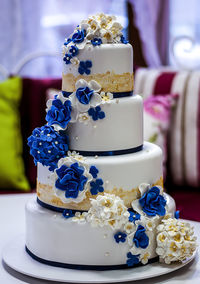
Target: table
{"x":12,"y":222}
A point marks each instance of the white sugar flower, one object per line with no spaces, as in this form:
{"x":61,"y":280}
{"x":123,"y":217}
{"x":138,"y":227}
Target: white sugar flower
{"x":86,"y":95}
{"x":108,"y":210}
{"x":84,"y":118}
{"x":144,"y":257}
{"x":80,"y":217}
{"x":106,"y":97}
{"x":75,"y":156}
{"x":74,"y":61}
{"x":60,"y":112}
{"x":175,"y":240}
{"x":129,"y":227}
{"x":71,"y":179}
{"x":116,"y":29}
{"x":107,"y":36}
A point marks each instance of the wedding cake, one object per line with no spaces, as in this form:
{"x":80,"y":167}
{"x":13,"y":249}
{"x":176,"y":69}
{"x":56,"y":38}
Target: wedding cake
{"x":100,"y":200}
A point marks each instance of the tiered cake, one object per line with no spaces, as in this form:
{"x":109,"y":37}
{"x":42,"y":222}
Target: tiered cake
{"x":100,"y":200}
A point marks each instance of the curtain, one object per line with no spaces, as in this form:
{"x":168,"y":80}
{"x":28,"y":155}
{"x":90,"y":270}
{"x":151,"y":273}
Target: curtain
{"x":40,"y":25}
{"x":152,"y":20}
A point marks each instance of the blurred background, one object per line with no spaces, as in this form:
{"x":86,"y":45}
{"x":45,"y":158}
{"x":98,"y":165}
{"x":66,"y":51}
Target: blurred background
{"x":165,"y":35}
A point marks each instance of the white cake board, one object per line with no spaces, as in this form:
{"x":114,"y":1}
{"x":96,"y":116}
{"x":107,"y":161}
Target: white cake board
{"x":15,"y":256}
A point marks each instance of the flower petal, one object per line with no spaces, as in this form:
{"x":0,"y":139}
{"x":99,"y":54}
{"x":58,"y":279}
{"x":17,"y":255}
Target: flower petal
{"x":94,"y":86}
{"x":95,"y":100}
{"x":81,"y":83}
{"x":81,"y":107}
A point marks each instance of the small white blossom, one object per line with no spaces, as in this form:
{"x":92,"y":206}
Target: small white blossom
{"x":106,"y":97}
{"x":84,"y":118}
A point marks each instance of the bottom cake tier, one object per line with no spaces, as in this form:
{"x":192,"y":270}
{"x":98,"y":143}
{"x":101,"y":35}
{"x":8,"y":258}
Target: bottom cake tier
{"x":78,"y":239}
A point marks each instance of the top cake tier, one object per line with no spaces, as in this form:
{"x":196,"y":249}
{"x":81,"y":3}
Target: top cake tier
{"x":98,"y":51}
{"x":112,"y":68}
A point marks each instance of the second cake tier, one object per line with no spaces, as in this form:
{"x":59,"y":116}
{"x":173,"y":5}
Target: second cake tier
{"x":121,"y":128}
{"x":119,"y":174}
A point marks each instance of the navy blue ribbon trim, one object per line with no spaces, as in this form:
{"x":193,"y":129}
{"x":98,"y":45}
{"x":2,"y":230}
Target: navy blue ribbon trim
{"x":85,"y":267}
{"x":55,"y":208}
{"x":110,"y":153}
{"x":115,"y":94}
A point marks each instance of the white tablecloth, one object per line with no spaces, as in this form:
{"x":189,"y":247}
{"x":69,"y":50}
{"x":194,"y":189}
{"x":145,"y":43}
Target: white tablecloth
{"x":12,"y":223}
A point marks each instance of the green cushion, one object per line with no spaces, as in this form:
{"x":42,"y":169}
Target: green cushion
{"x":12,"y":175}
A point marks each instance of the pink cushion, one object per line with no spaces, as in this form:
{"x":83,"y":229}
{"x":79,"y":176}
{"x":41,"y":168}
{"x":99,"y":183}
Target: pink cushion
{"x":157,"y":118}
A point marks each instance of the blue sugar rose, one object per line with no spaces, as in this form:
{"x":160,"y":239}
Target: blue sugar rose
{"x":140,"y":238}
{"x":59,"y":113}
{"x":78,"y":36}
{"x":84,"y":95}
{"x":47,"y":146}
{"x":71,"y":180}
{"x":152,"y":202}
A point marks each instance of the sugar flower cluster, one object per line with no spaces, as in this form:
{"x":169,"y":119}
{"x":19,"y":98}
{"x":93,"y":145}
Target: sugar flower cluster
{"x":108,"y":210}
{"x":175,"y":240}
{"x":95,"y":30}
{"x":47,"y":146}
{"x":81,"y":105}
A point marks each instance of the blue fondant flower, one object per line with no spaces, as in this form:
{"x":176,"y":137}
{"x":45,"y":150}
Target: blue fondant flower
{"x":47,"y":146}
{"x":96,"y":186}
{"x":73,"y":50}
{"x":67,"y":58}
{"x":84,"y":67}
{"x":120,"y":237}
{"x":67,"y":213}
{"x":60,"y":112}
{"x":177,"y":214}
{"x":71,"y":179}
{"x":94,"y":171}
{"x":96,"y":41}
{"x":132,"y":259}
{"x":133,"y":216}
{"x":152,"y":202}
{"x":123,"y":40}
{"x":84,"y":95}
{"x":96,"y":113}
{"x":68,"y":41}
{"x":78,"y":36}
{"x":140,"y":238}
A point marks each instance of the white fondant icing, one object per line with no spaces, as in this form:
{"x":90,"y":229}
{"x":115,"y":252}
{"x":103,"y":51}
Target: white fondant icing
{"x":121,"y":171}
{"x":117,"y":58}
{"x":122,"y":127}
{"x":52,"y":237}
